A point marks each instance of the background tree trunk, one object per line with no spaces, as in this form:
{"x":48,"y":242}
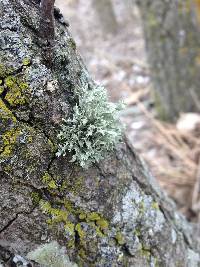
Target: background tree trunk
{"x":172,"y":30}
{"x":106,"y":16}
{"x":112,"y":214}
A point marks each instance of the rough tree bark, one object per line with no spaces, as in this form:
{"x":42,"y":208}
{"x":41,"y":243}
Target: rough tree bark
{"x":172,"y":31}
{"x":112,"y":214}
{"x":106,"y":16}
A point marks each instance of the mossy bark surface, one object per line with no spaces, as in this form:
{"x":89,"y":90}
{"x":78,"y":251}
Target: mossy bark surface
{"x":172,"y":30}
{"x":112,"y":214}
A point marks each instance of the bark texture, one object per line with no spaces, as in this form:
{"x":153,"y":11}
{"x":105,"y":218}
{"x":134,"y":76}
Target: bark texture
{"x":106,"y":16}
{"x":47,"y":19}
{"x":172,"y":30}
{"x":112,"y":214}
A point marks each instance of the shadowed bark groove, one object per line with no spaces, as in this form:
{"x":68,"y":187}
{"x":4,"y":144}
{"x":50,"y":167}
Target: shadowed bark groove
{"x":112,"y":214}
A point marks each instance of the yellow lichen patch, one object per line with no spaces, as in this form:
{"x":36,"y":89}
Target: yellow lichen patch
{"x":30,"y":139}
{"x":141,"y":207}
{"x":9,"y":139}
{"x":5,"y":113}
{"x":26,"y":61}
{"x":1,"y":89}
{"x":45,"y":206}
{"x":7,"y":168}
{"x":52,"y":146}
{"x":93,"y":216}
{"x":102,"y":223}
{"x":80,"y":231}
{"x":120,"y":239}
{"x":35,"y":198}
{"x":65,"y":211}
{"x":155,"y":205}
{"x":98,"y":230}
{"x":46,"y":178}
{"x":16,"y":91}
{"x":69,"y":227}
{"x":57,"y":215}
{"x":145,"y":253}
{"x":137,"y":232}
{"x":52,"y":184}
{"x":74,"y":187}
{"x":49,"y":181}
{"x":82,"y":216}
{"x":82,"y":253}
{"x":4,"y":71}
{"x":70,"y":231}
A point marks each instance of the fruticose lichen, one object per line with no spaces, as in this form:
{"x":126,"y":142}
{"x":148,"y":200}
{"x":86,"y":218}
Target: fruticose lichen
{"x":93,"y":129}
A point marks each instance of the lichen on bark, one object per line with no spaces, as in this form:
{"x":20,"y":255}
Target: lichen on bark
{"x":112,"y":214}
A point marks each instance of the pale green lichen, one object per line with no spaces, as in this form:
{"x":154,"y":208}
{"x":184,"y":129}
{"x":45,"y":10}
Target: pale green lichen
{"x":93,"y":129}
{"x":51,"y":255}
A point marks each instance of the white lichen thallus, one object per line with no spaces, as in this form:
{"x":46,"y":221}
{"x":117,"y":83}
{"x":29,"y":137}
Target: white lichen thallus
{"x":93,"y":129}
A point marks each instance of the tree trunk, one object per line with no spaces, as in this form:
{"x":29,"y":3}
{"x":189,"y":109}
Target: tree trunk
{"x":172,"y":30}
{"x":106,"y":16}
{"x":112,"y":214}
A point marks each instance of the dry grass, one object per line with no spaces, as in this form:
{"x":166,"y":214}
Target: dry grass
{"x":176,"y":163}
{"x":182,"y":167}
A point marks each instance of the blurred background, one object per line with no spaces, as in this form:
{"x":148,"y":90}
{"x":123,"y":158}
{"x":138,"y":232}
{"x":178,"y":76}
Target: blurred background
{"x":147,"y":53}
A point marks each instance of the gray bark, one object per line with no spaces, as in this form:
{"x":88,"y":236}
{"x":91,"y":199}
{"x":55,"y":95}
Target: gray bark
{"x":112,"y":214}
{"x":172,"y":31}
{"x":106,"y":16}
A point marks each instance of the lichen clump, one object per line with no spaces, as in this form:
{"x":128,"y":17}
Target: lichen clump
{"x":93,"y":129}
